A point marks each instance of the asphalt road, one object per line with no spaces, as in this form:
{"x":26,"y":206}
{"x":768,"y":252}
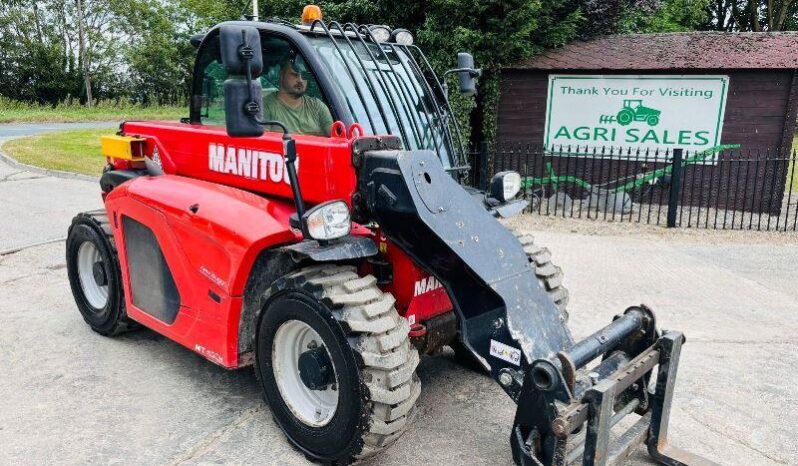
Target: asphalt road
{"x":37,"y":208}
{"x":27,"y":129}
{"x":69,"y":396}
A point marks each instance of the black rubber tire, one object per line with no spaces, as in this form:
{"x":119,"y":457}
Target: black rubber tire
{"x":549,"y":275}
{"x":112,"y":318}
{"x":368,"y":344}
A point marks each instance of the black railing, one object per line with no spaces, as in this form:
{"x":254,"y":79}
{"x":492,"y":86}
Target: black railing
{"x":726,"y":189}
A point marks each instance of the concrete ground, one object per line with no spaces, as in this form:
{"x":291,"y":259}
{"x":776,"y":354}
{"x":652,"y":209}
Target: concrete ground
{"x":37,"y":208}
{"x":69,"y":396}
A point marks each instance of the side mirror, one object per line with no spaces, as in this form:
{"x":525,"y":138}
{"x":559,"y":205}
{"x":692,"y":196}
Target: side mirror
{"x":467,"y":74}
{"x":241,"y":54}
{"x":242,"y":108}
{"x":240,"y":50}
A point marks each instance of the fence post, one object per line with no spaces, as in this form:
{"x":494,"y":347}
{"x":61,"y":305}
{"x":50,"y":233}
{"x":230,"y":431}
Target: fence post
{"x":484,"y":156}
{"x":676,"y":181}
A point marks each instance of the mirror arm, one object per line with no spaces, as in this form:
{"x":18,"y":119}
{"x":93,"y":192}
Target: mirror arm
{"x":474,"y":72}
{"x":289,"y":151}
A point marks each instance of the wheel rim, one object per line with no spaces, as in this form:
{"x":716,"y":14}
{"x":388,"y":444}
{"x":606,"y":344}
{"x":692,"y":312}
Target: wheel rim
{"x":314,"y":408}
{"x":95,"y":293}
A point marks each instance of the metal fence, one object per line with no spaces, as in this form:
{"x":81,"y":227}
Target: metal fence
{"x":729,"y":189}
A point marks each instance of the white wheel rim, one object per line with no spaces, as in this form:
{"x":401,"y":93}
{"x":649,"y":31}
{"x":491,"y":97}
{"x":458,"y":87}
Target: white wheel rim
{"x":314,"y":408}
{"x":96,"y":294}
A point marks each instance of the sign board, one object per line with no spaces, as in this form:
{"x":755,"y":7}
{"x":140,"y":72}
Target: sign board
{"x":648,"y":112}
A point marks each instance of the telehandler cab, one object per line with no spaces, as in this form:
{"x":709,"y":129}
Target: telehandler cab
{"x":331,"y":261}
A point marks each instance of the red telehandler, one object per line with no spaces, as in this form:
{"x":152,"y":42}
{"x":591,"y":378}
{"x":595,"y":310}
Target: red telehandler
{"x":331,"y":261}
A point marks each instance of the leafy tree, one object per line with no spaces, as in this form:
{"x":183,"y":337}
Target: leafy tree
{"x":157,"y":50}
{"x":664,"y":16}
{"x":752,"y":15}
{"x":139,"y":49}
{"x":40,"y":54}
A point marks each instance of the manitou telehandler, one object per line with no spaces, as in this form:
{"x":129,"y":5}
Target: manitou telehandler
{"x":330,"y":261}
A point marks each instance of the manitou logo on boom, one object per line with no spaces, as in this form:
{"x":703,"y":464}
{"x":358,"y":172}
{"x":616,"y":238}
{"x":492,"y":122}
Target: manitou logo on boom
{"x":248,"y":163}
{"x":425,"y":285}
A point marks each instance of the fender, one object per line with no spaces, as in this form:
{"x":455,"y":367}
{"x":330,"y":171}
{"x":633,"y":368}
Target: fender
{"x":210,"y":236}
{"x":112,"y":178}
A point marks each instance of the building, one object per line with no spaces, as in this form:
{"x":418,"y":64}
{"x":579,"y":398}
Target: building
{"x":658,"y":92}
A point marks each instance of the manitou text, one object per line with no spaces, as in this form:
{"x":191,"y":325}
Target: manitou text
{"x":248,"y":163}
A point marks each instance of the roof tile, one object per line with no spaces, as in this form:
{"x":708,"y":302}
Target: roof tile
{"x":684,"y":50}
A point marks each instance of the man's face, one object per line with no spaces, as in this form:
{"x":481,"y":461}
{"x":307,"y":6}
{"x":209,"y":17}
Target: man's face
{"x":292,"y":82}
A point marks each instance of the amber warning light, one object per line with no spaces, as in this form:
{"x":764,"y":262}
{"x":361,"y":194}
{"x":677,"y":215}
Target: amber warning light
{"x":310,"y":13}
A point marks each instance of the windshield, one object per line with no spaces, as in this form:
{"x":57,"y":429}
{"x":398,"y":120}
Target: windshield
{"x":386,"y":92}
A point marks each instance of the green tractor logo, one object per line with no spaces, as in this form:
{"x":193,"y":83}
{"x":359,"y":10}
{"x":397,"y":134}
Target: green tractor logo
{"x":633,"y":110}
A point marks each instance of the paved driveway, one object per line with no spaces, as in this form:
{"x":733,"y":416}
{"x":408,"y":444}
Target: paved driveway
{"x":37,"y":208}
{"x":69,"y":396}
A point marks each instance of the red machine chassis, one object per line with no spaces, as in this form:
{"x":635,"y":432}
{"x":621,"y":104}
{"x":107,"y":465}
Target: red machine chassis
{"x":222,"y":202}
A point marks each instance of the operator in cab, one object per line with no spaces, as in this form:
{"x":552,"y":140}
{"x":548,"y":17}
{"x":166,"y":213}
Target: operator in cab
{"x":290,"y":105}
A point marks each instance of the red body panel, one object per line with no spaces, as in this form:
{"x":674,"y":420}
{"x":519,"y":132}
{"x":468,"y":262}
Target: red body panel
{"x":211,"y":226}
{"x":211,"y":250}
{"x":255,"y":164}
{"x":419,"y":296}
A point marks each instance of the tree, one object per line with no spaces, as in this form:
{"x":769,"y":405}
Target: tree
{"x":753,"y":15}
{"x":139,"y":49}
{"x":41,"y":54}
{"x":664,"y":16}
{"x":157,"y":51}
{"x":82,"y":55}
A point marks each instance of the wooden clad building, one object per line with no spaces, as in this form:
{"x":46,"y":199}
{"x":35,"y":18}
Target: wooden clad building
{"x":658,"y":92}
{"x":760,"y":112}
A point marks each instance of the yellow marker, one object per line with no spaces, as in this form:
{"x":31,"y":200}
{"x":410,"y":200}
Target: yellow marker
{"x":123,"y":147}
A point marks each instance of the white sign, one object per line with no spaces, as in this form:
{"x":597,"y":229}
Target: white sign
{"x":648,"y":112}
{"x":505,"y":352}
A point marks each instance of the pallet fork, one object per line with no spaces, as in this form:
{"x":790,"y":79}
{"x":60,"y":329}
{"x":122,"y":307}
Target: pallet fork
{"x":555,"y":402}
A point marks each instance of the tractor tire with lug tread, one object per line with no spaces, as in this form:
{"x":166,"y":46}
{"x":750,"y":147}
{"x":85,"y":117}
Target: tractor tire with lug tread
{"x":94,"y":274}
{"x":367,"y":345}
{"x":549,"y":275}
{"x":550,"y":278}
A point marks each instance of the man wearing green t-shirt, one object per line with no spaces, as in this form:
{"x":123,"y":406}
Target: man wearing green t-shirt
{"x":300,"y":113}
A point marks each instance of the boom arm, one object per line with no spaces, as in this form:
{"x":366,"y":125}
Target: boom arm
{"x":508,"y":323}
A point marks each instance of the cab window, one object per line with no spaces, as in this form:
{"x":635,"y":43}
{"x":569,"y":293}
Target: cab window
{"x":291,"y":93}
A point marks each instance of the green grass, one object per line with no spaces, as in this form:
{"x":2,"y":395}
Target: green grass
{"x":12,"y":111}
{"x":76,"y":151}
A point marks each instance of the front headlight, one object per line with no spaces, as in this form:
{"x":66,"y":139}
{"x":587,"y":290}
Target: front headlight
{"x":328,"y":221}
{"x":505,"y":185}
